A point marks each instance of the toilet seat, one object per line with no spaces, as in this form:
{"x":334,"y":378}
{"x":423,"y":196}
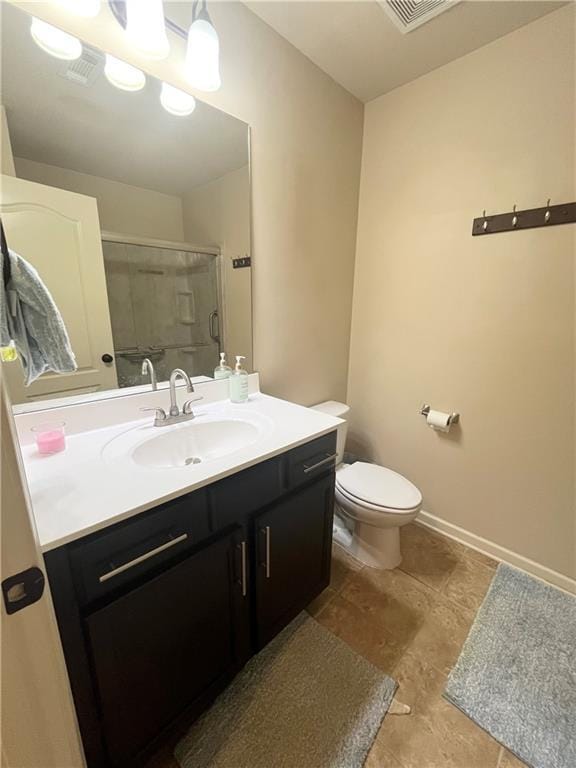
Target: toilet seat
{"x":372,"y":511}
{"x":378,"y":488}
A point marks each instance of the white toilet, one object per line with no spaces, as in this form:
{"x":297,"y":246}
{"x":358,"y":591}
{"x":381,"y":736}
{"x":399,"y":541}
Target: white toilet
{"x":372,"y":503}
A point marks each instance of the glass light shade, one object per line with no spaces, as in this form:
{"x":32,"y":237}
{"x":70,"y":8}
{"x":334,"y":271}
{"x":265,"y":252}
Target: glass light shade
{"x":146,"y":28}
{"x":202,"y":56}
{"x":123,"y":75}
{"x":177,"y":102}
{"x":87,"y":8}
{"x":55,"y":41}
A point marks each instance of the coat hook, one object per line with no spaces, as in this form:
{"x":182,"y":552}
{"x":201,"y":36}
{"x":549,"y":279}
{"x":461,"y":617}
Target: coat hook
{"x":485,"y":225}
{"x":514,"y":218}
{"x":547,"y":214}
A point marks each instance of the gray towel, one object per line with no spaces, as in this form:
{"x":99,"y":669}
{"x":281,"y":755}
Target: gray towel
{"x":30,"y":318}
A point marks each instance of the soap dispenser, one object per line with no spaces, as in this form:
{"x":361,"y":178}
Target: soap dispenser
{"x":239,"y":382}
{"x":222,"y":371}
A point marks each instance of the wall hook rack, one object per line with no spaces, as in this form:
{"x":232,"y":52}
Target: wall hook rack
{"x":530,"y":218}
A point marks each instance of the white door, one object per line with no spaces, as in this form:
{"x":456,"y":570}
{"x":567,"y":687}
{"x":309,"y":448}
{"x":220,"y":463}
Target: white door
{"x":58,"y":232}
{"x":38,"y":726}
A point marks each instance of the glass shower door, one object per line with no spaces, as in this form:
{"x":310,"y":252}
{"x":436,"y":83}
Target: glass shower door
{"x":164,"y":304}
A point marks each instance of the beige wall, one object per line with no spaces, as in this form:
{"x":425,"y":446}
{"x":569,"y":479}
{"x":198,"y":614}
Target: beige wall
{"x":306,"y":143}
{"x":218,"y":213}
{"x":6,"y":157}
{"x":122,"y":208}
{"x":480,"y":325}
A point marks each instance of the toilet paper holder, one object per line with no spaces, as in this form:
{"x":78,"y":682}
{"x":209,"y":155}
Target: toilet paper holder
{"x":454,"y":418}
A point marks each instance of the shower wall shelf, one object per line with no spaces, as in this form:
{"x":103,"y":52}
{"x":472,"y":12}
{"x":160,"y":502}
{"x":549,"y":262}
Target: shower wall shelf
{"x":530,"y":218}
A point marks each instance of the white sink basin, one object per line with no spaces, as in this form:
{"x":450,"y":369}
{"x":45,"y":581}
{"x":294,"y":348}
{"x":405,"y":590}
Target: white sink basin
{"x":194,"y":443}
{"x":185,"y":445}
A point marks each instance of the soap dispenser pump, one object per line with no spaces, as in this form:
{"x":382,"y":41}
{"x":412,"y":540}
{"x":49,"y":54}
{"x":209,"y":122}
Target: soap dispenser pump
{"x":222,"y":371}
{"x":239,"y":382}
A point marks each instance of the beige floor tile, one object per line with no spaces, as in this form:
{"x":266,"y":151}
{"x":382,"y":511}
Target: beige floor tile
{"x":362,"y":633}
{"x":380,"y":757}
{"x":468,"y":583}
{"x":343,"y":568}
{"x":508,"y":760}
{"x":442,"y":635}
{"x":436,"y":734}
{"x":321,"y":601}
{"x":428,"y":557}
{"x":481,"y":558}
{"x":392,"y":599}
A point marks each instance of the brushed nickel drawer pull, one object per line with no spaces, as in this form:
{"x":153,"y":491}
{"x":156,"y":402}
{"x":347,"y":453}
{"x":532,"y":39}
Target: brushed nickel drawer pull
{"x":142,"y":558}
{"x":266,"y":532}
{"x":319,"y":464}
{"x":243,"y":558}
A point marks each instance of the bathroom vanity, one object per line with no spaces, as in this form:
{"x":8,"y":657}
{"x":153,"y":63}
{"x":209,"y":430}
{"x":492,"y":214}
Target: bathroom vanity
{"x":158,"y":611}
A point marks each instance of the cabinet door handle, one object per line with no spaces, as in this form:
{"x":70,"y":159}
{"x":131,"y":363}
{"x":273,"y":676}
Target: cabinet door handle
{"x":142,"y":558}
{"x":312,"y":467}
{"x":243,"y":567}
{"x":266,"y":532}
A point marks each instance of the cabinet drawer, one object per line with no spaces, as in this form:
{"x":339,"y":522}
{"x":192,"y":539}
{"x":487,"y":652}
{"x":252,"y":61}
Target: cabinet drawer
{"x":311,"y":460}
{"x":129,"y":551}
{"x":237,"y":496}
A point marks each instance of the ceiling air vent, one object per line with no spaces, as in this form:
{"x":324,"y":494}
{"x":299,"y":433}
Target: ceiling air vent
{"x":410,"y":14}
{"x":84,"y":70}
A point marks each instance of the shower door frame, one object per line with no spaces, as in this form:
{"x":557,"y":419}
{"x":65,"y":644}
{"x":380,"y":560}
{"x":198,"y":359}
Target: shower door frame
{"x":210,"y":250}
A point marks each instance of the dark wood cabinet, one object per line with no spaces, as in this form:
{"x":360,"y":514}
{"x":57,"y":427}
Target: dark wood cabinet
{"x":159,"y":612}
{"x":161,"y":646}
{"x":293,"y":544}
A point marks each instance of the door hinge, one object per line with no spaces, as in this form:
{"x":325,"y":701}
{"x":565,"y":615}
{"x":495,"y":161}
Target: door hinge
{"x":23,"y":589}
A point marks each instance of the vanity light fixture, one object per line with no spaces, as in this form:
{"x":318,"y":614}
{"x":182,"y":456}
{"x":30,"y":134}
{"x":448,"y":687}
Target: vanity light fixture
{"x":55,"y":41}
{"x":86,"y":8}
{"x":202,"y":66}
{"x":177,"y":102}
{"x":146,"y":29}
{"x":124,"y":75}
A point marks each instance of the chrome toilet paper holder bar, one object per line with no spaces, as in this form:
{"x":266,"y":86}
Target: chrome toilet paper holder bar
{"x":454,"y":418}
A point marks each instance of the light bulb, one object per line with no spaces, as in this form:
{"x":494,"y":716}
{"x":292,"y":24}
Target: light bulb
{"x":202,"y":56}
{"x":177,"y":102}
{"x":123,"y":75}
{"x":146,"y":28}
{"x":55,"y":41}
{"x":86,"y":8}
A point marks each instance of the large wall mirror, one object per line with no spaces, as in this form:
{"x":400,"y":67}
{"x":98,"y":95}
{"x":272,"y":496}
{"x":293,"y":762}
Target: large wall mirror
{"x":137,"y":219}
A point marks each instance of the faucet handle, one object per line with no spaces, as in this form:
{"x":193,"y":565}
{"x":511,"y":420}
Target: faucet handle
{"x":160,"y":412}
{"x":187,"y":407}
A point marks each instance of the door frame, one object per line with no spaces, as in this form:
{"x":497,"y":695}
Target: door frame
{"x":39,"y":725}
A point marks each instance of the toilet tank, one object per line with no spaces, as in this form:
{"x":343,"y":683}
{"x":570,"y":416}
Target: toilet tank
{"x":340,"y":410}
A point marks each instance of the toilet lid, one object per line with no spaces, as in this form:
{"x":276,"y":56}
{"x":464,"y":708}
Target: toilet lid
{"x":379,"y":486}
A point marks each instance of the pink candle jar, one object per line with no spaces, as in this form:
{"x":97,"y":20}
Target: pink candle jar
{"x":50,"y":437}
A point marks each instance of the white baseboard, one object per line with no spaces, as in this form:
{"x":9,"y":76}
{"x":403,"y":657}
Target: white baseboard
{"x":497,"y":552}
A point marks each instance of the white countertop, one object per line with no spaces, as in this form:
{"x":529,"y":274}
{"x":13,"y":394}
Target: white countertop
{"x":78,"y":492}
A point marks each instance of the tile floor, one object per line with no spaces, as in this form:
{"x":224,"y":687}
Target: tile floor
{"x":411,"y":623}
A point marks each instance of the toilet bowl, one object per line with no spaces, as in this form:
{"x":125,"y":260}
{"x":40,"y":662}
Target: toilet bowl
{"x":372,"y":504}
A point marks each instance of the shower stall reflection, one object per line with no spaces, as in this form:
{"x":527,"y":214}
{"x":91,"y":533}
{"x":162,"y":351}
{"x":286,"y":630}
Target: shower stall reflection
{"x":165,"y":304}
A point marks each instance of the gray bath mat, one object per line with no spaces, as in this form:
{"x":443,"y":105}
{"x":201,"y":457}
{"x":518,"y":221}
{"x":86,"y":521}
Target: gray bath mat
{"x":306,"y":701}
{"x":516,"y":676}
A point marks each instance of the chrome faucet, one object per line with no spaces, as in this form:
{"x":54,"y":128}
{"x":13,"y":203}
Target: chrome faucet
{"x":178,"y":373}
{"x":147,"y":367}
{"x":174,"y":415}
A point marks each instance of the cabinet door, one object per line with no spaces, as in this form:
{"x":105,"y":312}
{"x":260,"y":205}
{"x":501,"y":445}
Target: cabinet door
{"x":163,"y":646}
{"x":293,"y":551}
